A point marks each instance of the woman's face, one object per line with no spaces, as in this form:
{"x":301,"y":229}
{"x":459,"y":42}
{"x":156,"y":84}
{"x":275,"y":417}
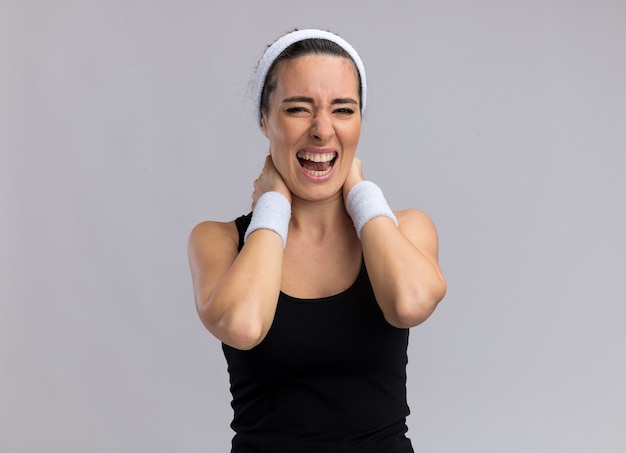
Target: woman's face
{"x":313,"y":124}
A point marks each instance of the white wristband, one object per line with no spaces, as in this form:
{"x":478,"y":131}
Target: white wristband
{"x":271,"y":212}
{"x":366,"y":201}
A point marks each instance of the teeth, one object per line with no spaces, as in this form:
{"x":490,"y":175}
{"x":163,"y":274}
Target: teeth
{"x":318,"y":173}
{"x":316,"y":157}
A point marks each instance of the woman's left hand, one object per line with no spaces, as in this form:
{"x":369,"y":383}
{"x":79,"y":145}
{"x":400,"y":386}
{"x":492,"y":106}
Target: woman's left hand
{"x":355,"y":176}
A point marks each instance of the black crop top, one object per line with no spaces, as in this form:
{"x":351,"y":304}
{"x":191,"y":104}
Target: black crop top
{"x":330,"y":376}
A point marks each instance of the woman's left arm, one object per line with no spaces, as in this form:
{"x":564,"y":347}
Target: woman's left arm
{"x":402,"y":262}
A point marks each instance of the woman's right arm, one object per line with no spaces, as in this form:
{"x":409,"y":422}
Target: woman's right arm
{"x":235,"y":293}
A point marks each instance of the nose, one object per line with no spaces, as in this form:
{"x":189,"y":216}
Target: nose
{"x":322,"y":127}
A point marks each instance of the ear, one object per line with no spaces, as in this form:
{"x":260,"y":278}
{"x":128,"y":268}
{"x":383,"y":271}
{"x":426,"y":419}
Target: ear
{"x":264,"y":124}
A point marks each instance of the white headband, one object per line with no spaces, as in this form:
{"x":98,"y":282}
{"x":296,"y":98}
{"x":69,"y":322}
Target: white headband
{"x":300,"y":35}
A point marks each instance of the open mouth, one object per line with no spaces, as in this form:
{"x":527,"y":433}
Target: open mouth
{"x":317,"y":164}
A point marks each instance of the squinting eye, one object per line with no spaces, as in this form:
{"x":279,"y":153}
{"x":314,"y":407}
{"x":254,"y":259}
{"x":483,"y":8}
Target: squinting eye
{"x":345,"y":111}
{"x":296,"y":110}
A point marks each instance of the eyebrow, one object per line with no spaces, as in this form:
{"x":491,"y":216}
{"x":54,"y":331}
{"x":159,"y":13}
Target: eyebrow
{"x":311,"y":101}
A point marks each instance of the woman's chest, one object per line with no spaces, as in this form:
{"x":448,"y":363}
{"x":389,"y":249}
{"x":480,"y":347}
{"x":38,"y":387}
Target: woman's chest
{"x":325,"y":272}
{"x":345,"y":333}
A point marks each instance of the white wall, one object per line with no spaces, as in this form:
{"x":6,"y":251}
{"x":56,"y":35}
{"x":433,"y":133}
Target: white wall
{"x":122,"y":124}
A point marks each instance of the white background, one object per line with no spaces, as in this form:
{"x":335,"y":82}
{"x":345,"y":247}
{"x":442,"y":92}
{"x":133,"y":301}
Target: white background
{"x":124,"y":123}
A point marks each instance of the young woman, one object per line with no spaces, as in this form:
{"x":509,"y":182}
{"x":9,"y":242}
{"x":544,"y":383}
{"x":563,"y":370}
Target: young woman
{"x":312,"y":293}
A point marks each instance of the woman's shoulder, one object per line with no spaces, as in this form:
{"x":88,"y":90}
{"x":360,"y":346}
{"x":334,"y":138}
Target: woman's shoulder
{"x":214,"y":232}
{"x":417,"y":225}
{"x":413,"y":217}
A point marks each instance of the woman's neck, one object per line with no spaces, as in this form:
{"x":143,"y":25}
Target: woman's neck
{"x":317,"y":218}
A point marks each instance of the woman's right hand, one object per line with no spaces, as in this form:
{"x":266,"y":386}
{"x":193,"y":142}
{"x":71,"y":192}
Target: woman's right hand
{"x":269,"y":181}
